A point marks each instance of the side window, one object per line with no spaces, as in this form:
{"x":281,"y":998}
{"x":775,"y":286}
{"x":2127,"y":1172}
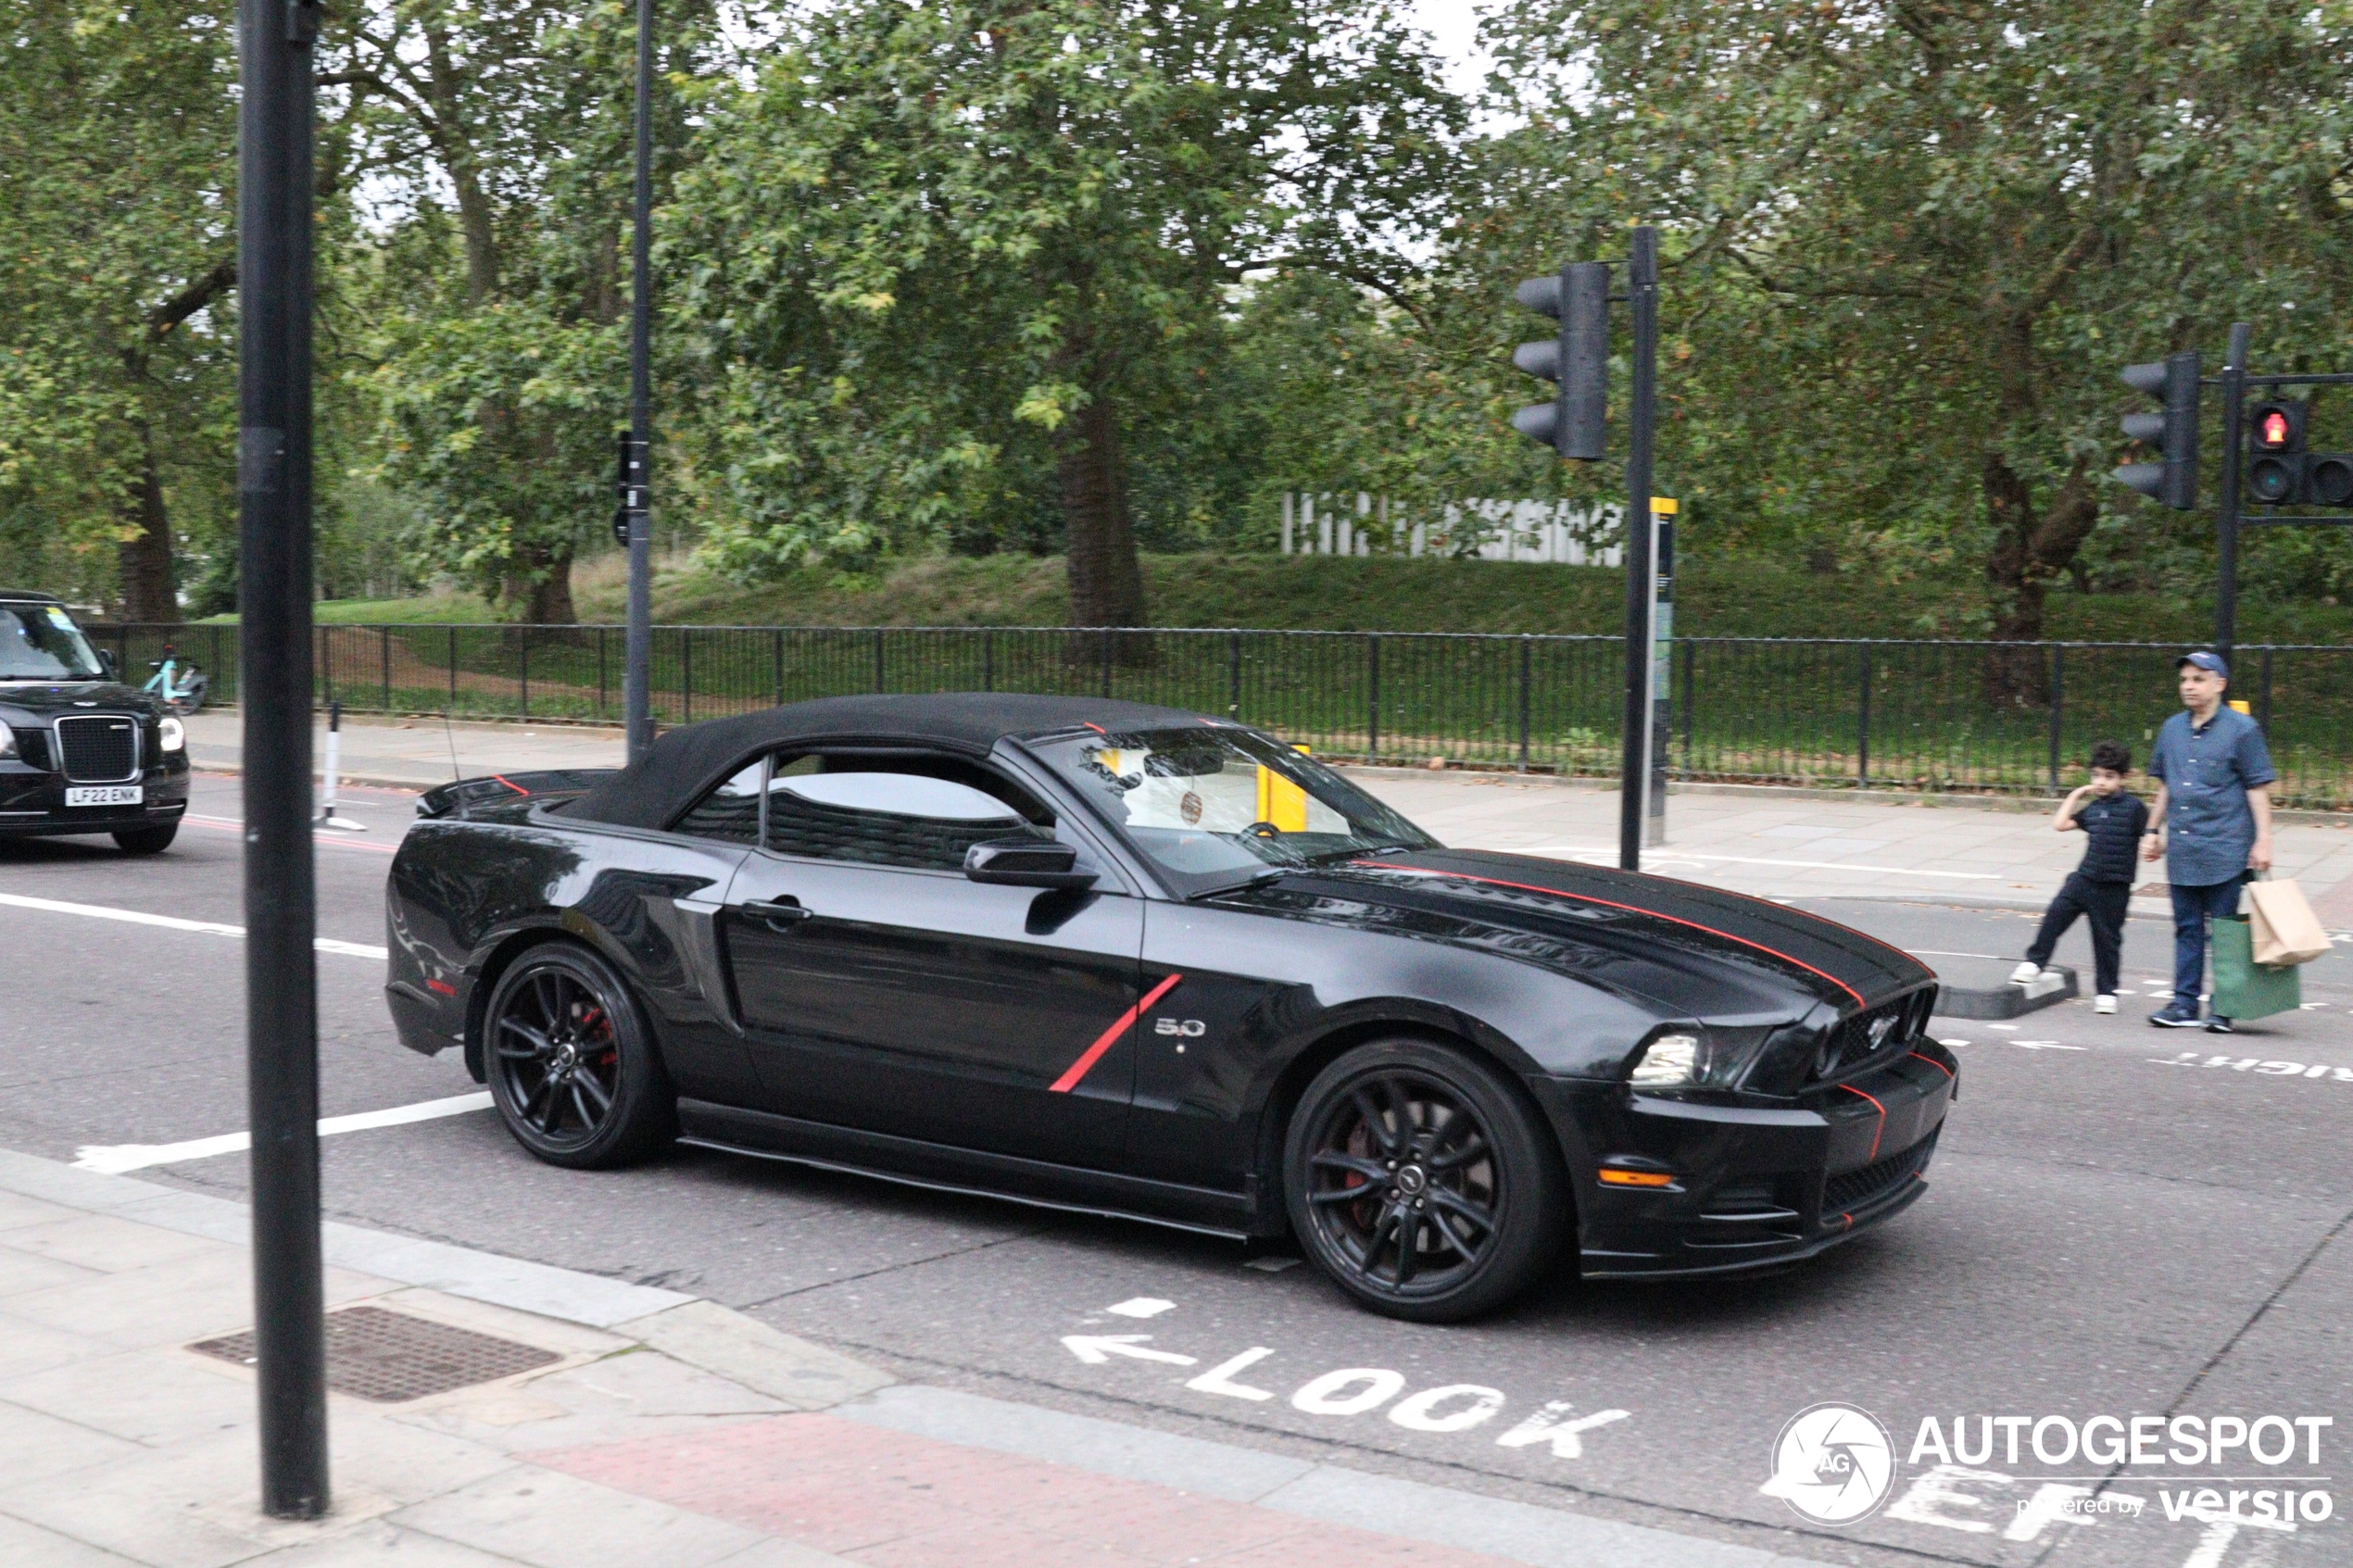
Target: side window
{"x":884,"y":814}
{"x":730,"y":812}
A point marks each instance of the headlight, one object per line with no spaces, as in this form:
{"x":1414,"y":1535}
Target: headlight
{"x":174,"y":732}
{"x":1695,"y":1055}
{"x":1670,"y":1058}
{"x":7,"y":741}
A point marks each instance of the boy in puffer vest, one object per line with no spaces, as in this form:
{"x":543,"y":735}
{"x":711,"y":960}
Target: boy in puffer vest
{"x":2112,"y":819}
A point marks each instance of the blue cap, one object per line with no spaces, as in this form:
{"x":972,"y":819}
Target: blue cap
{"x":2210,"y":662}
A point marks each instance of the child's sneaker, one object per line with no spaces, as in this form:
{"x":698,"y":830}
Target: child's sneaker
{"x":2104,"y":1004}
{"x":2026,"y":974}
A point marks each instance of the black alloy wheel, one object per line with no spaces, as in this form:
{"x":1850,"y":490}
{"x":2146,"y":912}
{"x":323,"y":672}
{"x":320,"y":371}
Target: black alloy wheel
{"x":572,"y":1066}
{"x":1421,"y":1182}
{"x":146,"y":841}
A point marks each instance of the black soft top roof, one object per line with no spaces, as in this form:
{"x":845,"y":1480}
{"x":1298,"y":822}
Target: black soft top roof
{"x":682,"y":763}
{"x":26,"y":595}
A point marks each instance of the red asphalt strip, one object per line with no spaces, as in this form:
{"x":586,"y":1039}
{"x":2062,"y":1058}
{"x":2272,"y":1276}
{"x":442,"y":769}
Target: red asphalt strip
{"x":891,"y":1499}
{"x":1110,"y":1037}
{"x":1629,"y":909}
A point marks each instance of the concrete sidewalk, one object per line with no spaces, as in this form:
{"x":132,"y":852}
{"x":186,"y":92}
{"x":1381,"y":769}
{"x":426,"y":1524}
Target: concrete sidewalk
{"x":1777,"y":843}
{"x":584,"y":1422}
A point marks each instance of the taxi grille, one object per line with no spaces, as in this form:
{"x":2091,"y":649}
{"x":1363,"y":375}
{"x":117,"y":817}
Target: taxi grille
{"x":101,"y":748}
{"x":1850,"y":1190}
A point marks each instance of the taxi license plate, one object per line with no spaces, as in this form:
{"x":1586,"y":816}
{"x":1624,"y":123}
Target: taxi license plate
{"x":106,"y":794}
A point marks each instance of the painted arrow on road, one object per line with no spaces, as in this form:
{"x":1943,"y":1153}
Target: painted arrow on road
{"x":1095,"y":1350}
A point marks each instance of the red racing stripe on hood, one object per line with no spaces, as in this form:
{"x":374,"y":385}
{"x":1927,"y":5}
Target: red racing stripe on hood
{"x":1630,"y":909}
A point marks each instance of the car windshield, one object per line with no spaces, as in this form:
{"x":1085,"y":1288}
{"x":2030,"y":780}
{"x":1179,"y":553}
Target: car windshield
{"x":1218,"y":806}
{"x":41,"y":643}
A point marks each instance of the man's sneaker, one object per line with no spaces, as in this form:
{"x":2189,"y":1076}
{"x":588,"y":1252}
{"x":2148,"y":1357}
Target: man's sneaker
{"x":2218,"y":1024}
{"x":2026,"y":974}
{"x":2104,"y":1004}
{"x":2173,"y":1015}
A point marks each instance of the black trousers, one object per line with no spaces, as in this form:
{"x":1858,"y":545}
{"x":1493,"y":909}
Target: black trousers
{"x":2102,"y":904}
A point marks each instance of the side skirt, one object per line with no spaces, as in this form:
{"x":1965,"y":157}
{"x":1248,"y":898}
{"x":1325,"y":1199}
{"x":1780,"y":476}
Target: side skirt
{"x":971,"y":1173}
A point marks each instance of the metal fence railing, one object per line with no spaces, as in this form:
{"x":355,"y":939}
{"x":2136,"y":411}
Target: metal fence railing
{"x":1870,"y":714}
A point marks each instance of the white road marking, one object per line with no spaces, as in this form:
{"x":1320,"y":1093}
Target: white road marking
{"x":1555,"y":1426}
{"x":116,"y":1159}
{"x":1755,"y":861}
{"x":2044,"y":1046}
{"x":1097,"y":1348}
{"x":1932,"y":953}
{"x":173,"y":923}
{"x":1140,"y":1307}
{"x":1219,"y":1378}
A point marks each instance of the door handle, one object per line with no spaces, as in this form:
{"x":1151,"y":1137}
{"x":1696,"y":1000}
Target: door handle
{"x":781,"y":914}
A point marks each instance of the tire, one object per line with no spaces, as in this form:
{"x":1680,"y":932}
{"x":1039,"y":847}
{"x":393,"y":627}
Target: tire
{"x":146,"y":841}
{"x":1483,"y":1212}
{"x":572,"y":1064}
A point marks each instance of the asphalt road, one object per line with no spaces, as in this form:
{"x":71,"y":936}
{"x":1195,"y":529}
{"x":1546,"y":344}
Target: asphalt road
{"x":2121,"y":1222}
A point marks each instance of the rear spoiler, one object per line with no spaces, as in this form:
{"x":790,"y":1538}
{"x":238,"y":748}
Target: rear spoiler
{"x":504,"y":797}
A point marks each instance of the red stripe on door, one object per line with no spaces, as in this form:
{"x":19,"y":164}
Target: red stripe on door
{"x":1630,"y":909}
{"x":1110,"y":1037}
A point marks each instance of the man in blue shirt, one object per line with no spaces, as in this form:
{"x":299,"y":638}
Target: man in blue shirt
{"x":2214,"y":803}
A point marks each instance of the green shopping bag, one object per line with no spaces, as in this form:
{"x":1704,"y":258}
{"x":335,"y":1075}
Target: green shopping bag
{"x":2244,"y":988}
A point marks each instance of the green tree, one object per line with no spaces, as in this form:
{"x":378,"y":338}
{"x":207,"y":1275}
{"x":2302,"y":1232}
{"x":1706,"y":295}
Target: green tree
{"x":493,"y":302}
{"x":1911,"y":244}
{"x":940,"y":253}
{"x":118,"y":398}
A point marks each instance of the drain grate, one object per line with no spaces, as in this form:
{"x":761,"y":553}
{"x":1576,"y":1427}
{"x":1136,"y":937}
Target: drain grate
{"x":391,"y":1357}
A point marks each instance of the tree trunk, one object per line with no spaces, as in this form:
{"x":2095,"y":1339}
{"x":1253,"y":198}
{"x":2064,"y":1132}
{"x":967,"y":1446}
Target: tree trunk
{"x":150,"y":590}
{"x":541,"y":583}
{"x":2030,"y":550}
{"x":1106,"y":581}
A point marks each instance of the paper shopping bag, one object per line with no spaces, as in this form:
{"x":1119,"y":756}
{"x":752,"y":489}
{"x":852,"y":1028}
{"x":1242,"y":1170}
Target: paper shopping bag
{"x":2244,"y":988}
{"x":2283,"y":926}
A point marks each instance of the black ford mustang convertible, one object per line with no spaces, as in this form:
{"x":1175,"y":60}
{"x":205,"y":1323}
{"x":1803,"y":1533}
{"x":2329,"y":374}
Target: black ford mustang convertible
{"x":1131,"y":961}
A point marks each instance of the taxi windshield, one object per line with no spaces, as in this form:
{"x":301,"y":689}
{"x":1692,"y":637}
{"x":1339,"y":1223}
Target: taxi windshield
{"x":41,"y":643}
{"x":1218,"y":806}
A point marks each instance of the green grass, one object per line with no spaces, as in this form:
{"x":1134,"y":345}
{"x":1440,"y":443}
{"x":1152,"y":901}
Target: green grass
{"x":1748,"y":599}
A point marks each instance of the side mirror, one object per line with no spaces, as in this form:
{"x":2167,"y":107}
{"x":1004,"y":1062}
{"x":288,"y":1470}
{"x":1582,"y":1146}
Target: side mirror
{"x":1025,"y":863}
{"x":107,"y":663}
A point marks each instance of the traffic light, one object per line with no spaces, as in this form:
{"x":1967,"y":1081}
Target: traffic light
{"x":2173,"y":380}
{"x":1577,"y":357}
{"x":629,"y":485}
{"x":2275,"y":469}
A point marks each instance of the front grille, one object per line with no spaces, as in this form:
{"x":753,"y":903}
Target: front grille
{"x":101,"y":748}
{"x":1850,"y":1190}
{"x":1877,"y":1034}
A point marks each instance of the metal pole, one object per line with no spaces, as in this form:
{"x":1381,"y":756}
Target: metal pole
{"x":1661,"y":661}
{"x":1372,"y":697}
{"x":1234,"y":663}
{"x":1527,"y":662}
{"x":636,"y":685}
{"x":2226,"y":521}
{"x":275,"y":184}
{"x":1863,"y":717}
{"x":2059,"y":708}
{"x":1641,"y":293}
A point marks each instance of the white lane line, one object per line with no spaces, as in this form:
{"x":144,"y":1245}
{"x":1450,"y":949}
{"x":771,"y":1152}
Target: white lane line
{"x":173,"y":923}
{"x":234,"y":824}
{"x":1755,"y":861}
{"x":116,"y":1159}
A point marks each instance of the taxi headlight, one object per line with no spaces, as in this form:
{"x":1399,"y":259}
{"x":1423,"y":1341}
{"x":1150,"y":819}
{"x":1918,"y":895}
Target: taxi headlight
{"x":173,"y":733}
{"x":7,"y":741}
